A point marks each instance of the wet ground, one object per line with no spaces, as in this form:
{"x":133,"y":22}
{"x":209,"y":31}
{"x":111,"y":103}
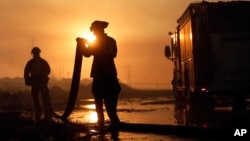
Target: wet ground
{"x":148,"y":119}
{"x":156,"y":119}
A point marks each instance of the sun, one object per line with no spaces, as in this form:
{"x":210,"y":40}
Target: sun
{"x":89,"y":36}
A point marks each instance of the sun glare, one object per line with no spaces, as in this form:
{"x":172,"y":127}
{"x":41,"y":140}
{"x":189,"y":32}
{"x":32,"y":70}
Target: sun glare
{"x":89,"y":36}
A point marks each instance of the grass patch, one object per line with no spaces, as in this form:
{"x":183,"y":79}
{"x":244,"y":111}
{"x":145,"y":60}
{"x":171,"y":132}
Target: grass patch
{"x":15,"y":100}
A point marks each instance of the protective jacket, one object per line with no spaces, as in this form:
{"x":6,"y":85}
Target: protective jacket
{"x":104,"y":51}
{"x":36,"y":71}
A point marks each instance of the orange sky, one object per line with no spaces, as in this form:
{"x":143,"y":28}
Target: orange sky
{"x":140,"y":28}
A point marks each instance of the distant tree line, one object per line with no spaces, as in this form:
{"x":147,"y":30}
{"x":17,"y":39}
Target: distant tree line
{"x":13,"y":90}
{"x":60,"y":88}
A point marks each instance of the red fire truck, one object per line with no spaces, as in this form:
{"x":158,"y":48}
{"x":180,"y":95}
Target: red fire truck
{"x":210,"y":50}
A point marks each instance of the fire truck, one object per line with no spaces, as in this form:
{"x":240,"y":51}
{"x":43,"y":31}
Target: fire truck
{"x":210,"y":50}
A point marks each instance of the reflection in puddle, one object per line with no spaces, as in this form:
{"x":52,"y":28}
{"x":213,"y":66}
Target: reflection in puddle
{"x":87,"y":100}
{"x":92,"y":117}
{"x":89,"y":106}
{"x":82,"y":116}
{"x":154,"y":110}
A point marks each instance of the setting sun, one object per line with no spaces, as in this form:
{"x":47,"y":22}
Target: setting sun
{"x":89,"y":36}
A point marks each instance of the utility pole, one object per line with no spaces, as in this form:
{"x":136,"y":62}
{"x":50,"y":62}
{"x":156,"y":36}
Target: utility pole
{"x":128,"y":74}
{"x":32,"y":41}
{"x":32,"y":44}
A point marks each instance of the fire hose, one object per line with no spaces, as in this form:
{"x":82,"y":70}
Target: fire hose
{"x":75,"y":79}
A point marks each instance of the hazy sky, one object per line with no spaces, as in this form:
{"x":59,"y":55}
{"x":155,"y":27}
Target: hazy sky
{"x":140,"y":28}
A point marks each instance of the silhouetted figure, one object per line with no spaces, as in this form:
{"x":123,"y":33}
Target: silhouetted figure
{"x":36,"y":75}
{"x":106,"y":87}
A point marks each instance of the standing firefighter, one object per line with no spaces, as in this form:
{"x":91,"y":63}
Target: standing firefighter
{"x":105,"y":87}
{"x":36,"y":75}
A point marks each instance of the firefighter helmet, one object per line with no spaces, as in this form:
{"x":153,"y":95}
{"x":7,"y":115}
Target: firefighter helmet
{"x":35,"y":50}
{"x":99,"y":25}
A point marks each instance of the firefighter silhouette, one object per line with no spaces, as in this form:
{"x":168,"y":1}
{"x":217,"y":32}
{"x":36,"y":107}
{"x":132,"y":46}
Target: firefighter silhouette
{"x":36,"y":74}
{"x":105,"y":87}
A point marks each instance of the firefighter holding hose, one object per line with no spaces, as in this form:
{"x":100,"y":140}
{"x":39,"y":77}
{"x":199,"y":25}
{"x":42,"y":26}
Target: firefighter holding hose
{"x":105,"y":87}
